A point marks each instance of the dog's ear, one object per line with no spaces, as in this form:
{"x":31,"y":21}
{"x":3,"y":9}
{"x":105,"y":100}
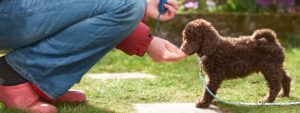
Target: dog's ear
{"x":210,"y":41}
{"x":191,"y":38}
{"x":204,"y":36}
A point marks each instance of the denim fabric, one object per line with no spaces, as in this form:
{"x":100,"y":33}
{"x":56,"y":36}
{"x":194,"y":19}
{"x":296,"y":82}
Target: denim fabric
{"x":55,"y":42}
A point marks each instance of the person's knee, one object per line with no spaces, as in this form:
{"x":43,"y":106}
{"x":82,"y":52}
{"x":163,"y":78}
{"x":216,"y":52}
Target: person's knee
{"x":20,"y":39}
{"x":139,"y":9}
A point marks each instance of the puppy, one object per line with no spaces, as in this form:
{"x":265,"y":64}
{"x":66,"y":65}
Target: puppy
{"x":230,"y":58}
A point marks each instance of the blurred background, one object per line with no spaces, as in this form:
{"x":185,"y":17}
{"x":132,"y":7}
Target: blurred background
{"x":238,"y":17}
{"x":233,"y":6}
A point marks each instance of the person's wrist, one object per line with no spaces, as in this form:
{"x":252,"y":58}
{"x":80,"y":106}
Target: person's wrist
{"x":151,"y":37}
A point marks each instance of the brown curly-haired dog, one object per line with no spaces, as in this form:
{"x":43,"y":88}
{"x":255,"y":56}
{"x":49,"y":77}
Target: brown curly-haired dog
{"x":229,"y":58}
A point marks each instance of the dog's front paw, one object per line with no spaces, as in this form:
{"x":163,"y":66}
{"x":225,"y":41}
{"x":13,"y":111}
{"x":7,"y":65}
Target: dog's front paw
{"x":266,"y":100}
{"x":201,"y":104}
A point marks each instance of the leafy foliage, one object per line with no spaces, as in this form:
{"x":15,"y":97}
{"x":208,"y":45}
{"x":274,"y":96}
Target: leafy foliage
{"x":249,"y":6}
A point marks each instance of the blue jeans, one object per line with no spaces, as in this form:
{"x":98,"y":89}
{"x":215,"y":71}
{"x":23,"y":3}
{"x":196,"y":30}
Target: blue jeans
{"x":54,"y":43}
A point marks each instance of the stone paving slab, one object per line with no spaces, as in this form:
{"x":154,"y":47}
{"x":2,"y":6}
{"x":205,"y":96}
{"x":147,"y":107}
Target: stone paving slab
{"x":120,"y":75}
{"x":173,"y":108}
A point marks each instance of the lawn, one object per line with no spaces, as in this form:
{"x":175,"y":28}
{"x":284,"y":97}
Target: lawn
{"x":176,"y":82}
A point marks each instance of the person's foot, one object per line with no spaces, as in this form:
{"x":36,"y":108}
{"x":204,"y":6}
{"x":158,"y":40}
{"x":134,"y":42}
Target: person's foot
{"x":22,"y":97}
{"x":72,"y":96}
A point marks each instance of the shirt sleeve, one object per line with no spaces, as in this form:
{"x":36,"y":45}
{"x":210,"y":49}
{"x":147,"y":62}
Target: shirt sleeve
{"x":137,"y":42}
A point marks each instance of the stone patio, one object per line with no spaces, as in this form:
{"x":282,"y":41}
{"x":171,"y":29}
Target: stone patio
{"x":173,"y":108}
{"x":121,"y":76}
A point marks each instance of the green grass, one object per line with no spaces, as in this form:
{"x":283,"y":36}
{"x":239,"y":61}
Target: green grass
{"x":176,"y":82}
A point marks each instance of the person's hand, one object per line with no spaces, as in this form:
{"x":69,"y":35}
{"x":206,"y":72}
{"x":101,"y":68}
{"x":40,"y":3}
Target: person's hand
{"x":161,"y":50}
{"x":153,"y":10}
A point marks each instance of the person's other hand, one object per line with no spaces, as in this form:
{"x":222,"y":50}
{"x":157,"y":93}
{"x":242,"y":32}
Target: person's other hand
{"x":153,"y":10}
{"x":161,"y":50}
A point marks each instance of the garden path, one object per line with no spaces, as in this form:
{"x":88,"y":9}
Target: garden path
{"x":173,"y":108}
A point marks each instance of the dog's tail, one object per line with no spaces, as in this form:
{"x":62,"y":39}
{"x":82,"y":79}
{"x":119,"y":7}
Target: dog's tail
{"x":268,"y":34}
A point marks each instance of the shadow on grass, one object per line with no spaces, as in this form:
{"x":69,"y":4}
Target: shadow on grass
{"x":66,"y":108}
{"x":80,"y":108}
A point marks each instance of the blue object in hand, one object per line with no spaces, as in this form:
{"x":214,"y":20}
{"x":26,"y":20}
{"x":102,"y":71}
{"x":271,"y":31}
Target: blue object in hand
{"x":162,"y":9}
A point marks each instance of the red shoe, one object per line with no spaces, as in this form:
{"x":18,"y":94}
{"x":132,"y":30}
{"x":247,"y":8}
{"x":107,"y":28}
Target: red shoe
{"x":72,"y":96}
{"x":23,"y":97}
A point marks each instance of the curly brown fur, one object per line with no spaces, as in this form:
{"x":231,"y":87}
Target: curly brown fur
{"x":229,"y":58}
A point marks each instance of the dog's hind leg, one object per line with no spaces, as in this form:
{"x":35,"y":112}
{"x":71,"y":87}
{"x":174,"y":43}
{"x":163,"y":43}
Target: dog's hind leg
{"x":213,"y":83}
{"x":286,"y":84}
{"x":274,"y":78}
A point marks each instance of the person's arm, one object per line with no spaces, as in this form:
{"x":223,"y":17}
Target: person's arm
{"x":140,"y":41}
